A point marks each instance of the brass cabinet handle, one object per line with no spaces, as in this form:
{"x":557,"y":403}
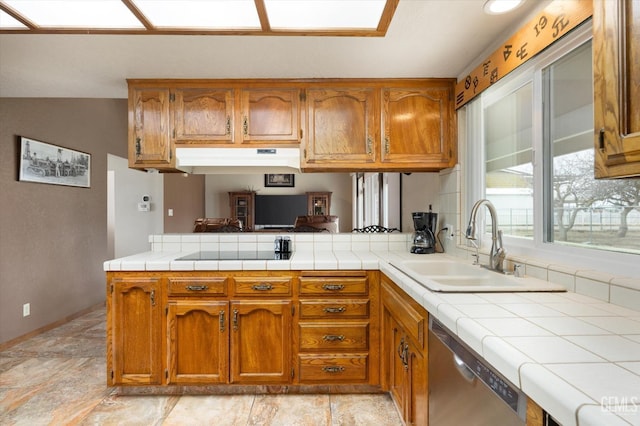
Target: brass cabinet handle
{"x":152,"y":296}
{"x":228,"y":127}
{"x":262,"y":287}
{"x":245,"y":125}
{"x":138,"y":147}
{"x":221,"y":321}
{"x":333,"y":287}
{"x":197,"y":287}
{"x":338,"y":310}
{"x":369,"y":145}
{"x":332,"y":369}
{"x":386,"y":144}
{"x":235,"y":320}
{"x":403,"y":353}
{"x":333,"y":338}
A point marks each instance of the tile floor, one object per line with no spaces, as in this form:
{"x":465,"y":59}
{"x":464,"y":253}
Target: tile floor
{"x":58,"y":378}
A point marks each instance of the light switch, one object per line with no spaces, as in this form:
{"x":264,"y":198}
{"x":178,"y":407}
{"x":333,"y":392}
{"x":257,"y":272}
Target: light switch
{"x":170,"y":212}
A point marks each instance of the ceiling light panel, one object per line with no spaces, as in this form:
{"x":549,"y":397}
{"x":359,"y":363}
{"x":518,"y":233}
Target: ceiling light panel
{"x":8,"y":22}
{"x":211,"y":14}
{"x":76,"y":13}
{"x":324,"y":14}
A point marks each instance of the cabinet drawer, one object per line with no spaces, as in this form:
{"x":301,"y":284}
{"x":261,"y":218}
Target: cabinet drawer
{"x":326,"y":286}
{"x":210,"y":286}
{"x":267,"y":286}
{"x":333,"y":368}
{"x":334,"y":336}
{"x":337,"y":308}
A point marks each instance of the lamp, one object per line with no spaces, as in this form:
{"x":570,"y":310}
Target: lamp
{"x":497,"y":7}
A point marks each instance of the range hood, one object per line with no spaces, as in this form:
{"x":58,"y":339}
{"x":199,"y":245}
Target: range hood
{"x":238,"y":160}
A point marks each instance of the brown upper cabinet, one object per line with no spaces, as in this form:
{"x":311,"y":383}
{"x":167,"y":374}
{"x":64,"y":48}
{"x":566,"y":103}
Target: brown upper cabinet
{"x":203,"y":115}
{"x":150,"y":144}
{"x":270,"y":115}
{"x":417,"y":126}
{"x":384,"y":125}
{"x":616,"y":69}
{"x":342,"y":127}
{"x":339,"y":124}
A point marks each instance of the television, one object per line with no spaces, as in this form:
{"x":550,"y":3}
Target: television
{"x":279,"y":211}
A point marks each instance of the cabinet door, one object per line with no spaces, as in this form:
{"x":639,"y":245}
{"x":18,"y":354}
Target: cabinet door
{"x":396,"y":372}
{"x":197,"y":342}
{"x":203,"y":115}
{"x":149,"y":128}
{"x":261,"y":341}
{"x":416,"y":391}
{"x":616,"y":69}
{"x":417,"y":127}
{"x":270,"y":115}
{"x":135,"y":340}
{"x":342,"y":127}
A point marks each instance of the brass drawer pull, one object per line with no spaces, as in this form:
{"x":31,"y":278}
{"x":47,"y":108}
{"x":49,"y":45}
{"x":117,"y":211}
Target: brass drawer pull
{"x":197,"y":287}
{"x":333,"y":338}
{"x":331,"y":369}
{"x":262,"y":287}
{"x":221,"y":319}
{"x":333,"y":287}
{"x":337,"y":310}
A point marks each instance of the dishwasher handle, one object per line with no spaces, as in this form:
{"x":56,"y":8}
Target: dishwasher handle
{"x":464,"y":370}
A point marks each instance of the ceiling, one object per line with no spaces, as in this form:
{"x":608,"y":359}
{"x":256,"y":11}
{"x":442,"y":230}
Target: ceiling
{"x":426,"y":38}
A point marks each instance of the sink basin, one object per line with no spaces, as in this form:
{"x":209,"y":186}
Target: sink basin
{"x":442,"y":267}
{"x":447,"y":275}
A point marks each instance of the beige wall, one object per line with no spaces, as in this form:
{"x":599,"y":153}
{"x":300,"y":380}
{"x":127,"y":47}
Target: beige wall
{"x":53,"y":239}
{"x":185,"y":196}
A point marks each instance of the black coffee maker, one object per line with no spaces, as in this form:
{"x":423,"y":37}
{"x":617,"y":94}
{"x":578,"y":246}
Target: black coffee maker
{"x":424,"y":237}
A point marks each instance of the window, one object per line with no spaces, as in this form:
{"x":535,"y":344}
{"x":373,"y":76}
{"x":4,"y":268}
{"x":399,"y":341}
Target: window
{"x":533,"y":133}
{"x":377,"y":200}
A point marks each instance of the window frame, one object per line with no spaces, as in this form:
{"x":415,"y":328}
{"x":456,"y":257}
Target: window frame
{"x":536,"y":248}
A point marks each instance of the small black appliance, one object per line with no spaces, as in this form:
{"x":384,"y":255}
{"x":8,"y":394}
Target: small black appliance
{"x":424,"y":237}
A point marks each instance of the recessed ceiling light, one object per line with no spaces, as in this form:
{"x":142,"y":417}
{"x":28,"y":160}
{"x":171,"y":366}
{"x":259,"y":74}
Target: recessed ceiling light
{"x":496,"y":7}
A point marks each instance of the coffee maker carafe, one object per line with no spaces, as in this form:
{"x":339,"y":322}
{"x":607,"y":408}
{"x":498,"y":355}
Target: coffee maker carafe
{"x":424,"y":237}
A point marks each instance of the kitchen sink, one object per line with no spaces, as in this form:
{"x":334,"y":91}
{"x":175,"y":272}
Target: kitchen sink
{"x":440,"y":267}
{"x":447,"y":275}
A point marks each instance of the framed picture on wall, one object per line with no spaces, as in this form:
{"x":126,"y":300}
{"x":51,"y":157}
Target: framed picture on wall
{"x":46,"y":163}
{"x":283,"y":180}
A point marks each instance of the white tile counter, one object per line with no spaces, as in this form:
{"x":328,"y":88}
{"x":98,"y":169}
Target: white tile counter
{"x":575,"y":355}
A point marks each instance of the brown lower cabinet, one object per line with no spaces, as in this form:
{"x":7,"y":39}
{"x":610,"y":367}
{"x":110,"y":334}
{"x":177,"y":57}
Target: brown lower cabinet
{"x":247,"y":328}
{"x":404,"y":353}
{"x":134,"y":333}
{"x":346,"y":331}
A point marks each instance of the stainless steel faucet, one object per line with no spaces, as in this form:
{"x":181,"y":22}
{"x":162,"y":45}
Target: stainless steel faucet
{"x":498,"y":253}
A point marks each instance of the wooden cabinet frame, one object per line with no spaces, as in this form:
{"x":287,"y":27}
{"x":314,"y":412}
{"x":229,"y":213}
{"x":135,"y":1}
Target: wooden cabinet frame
{"x":339,"y":124}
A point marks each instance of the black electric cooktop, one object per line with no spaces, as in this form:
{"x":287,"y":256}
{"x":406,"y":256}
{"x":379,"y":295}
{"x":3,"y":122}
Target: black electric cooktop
{"x":236,"y":255}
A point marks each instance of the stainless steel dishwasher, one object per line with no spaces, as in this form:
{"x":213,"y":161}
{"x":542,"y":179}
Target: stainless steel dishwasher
{"x":464,"y":389}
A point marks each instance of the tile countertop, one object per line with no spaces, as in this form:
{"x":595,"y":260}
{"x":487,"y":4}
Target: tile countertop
{"x":576,"y":356}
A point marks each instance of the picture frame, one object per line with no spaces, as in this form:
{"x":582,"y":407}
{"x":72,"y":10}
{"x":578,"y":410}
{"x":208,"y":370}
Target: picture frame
{"x":42,"y":162}
{"x":279,"y":180}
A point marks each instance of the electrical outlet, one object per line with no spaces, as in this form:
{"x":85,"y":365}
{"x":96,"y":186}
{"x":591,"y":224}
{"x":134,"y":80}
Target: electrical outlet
{"x":26,"y":309}
{"x":449,"y":233}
